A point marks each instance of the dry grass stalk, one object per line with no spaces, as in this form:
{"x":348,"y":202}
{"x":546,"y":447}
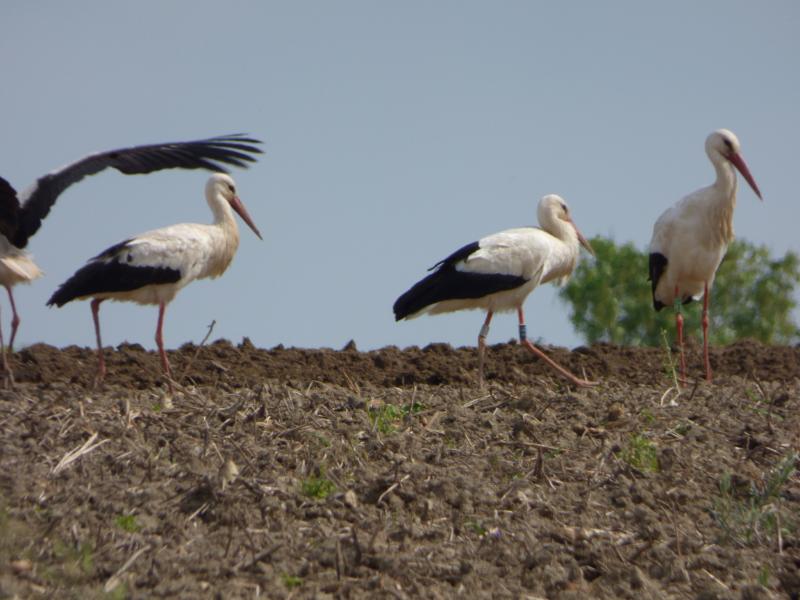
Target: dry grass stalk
{"x":75,"y":454}
{"x":114,"y":580}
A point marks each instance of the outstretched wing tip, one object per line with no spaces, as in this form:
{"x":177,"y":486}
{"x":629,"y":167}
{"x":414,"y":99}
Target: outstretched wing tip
{"x":214,"y":154}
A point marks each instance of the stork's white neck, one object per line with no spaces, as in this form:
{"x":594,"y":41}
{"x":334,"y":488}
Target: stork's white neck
{"x":722,"y":199}
{"x":726,"y":181}
{"x":561,"y":229}
{"x":564,"y":255}
{"x":227,"y":236}
{"x":221,"y":209}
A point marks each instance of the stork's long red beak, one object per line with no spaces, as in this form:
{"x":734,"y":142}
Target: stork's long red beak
{"x":236,"y":204}
{"x":584,"y":242}
{"x":741,"y":166}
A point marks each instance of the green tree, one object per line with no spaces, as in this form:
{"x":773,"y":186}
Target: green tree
{"x":610,"y":298}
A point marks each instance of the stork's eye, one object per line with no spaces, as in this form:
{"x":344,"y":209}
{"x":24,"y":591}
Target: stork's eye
{"x":728,"y":143}
{"x":231,"y":188}
{"x":564,"y":208}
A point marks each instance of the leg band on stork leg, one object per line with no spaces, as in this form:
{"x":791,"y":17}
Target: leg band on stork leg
{"x":523,"y":332}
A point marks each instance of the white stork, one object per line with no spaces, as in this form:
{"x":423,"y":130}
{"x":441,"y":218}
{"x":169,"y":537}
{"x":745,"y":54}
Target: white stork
{"x":690,"y":239}
{"x":497,"y":273}
{"x":21,"y":215}
{"x":152,"y":267}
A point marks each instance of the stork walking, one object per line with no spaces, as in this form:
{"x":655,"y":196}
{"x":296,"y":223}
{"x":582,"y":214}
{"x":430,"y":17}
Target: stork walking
{"x":152,"y":267}
{"x":690,"y":239}
{"x":21,"y":215}
{"x":497,"y":273}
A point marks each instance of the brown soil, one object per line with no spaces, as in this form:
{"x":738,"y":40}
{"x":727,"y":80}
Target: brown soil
{"x":321,"y":473}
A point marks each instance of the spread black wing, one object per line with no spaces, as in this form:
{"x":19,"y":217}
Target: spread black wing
{"x":9,"y":209}
{"x":212,"y":154}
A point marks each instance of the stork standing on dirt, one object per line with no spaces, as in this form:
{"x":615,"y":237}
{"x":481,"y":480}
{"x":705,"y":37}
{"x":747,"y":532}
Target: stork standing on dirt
{"x":152,"y":267}
{"x":21,"y":215}
{"x":690,"y":239}
{"x":497,"y":273}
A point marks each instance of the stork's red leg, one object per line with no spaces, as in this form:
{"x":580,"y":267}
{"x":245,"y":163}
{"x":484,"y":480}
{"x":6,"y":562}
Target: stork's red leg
{"x":14,"y":319}
{"x":679,"y":328}
{"x":8,"y":374}
{"x":160,"y":342}
{"x":705,"y":334}
{"x":101,"y":361}
{"x":523,"y":338}
{"x":482,"y":345}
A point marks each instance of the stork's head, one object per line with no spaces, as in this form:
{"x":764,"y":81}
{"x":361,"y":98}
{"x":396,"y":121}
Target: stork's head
{"x":222,"y":186}
{"x":554,"y":213}
{"x":724,"y":143}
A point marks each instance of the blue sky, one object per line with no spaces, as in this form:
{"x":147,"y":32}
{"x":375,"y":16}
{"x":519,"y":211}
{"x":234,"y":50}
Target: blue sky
{"x":394,"y":132}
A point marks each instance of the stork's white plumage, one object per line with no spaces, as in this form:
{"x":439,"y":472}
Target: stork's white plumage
{"x":21,"y":215}
{"x":498,"y":272}
{"x":152,"y":267}
{"x":690,"y":239}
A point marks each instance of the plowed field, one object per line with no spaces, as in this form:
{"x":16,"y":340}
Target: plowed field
{"x":390,"y":474}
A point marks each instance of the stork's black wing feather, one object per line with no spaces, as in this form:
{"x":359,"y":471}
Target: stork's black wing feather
{"x":212,"y":154}
{"x":448,"y":283}
{"x":658,"y":264}
{"x":459,"y":255}
{"x":9,"y":209}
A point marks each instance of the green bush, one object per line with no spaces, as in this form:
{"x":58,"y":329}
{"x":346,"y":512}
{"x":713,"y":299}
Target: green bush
{"x":610,"y":298}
